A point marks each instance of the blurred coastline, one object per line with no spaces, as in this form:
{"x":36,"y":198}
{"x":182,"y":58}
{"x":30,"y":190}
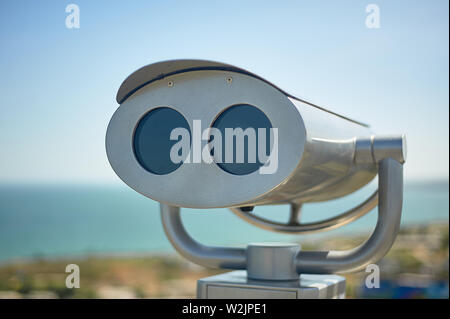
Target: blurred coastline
{"x":116,"y":238}
{"x":416,"y":267}
{"x":76,"y":220}
{"x":384,"y":63}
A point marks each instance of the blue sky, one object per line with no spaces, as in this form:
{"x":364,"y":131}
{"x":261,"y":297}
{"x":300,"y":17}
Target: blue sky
{"x":58,"y":85}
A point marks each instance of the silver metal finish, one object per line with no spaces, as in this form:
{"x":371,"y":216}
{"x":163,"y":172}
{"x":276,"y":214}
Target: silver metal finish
{"x":389,"y":146}
{"x":327,"y":169}
{"x":390,"y":180}
{"x":237,"y":285}
{"x":377,"y":147}
{"x":272,"y":261}
{"x":368,"y":150}
{"x":294,"y":226}
{"x":316,"y":162}
{"x":315,"y":262}
{"x":160,"y":70}
{"x":214,"y":257}
{"x":203,"y":95}
{"x":321,"y":156}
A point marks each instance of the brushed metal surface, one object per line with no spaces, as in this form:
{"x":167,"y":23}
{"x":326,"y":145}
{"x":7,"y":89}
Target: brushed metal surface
{"x":310,"y":262}
{"x":203,"y":95}
{"x":237,"y":285}
{"x":316,"y":149}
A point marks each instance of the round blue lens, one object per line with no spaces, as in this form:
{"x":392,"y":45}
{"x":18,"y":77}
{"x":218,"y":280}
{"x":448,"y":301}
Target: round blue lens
{"x":242,"y":116}
{"x":152,"y":142}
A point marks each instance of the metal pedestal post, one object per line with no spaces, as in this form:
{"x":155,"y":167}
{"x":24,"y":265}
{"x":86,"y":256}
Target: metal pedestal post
{"x":271,"y":274}
{"x":236,"y":285}
{"x":283,"y":270}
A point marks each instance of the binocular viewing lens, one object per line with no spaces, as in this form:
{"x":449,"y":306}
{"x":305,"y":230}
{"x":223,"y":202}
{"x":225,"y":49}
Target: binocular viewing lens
{"x":243,"y":145}
{"x":152,"y":142}
{"x":243,"y":116}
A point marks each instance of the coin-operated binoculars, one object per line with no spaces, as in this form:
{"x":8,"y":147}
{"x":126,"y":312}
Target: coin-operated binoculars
{"x":202,"y":134}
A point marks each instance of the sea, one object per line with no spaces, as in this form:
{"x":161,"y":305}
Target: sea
{"x":64,"y":221}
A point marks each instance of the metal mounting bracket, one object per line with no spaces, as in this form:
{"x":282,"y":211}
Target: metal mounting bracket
{"x":390,"y":188}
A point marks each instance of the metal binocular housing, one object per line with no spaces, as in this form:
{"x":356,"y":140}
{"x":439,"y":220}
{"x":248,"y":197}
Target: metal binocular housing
{"x":239,"y":142}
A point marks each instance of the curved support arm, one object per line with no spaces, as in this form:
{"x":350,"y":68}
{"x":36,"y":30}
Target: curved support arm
{"x":214,"y":257}
{"x":390,"y":198}
{"x":293,"y":227}
{"x":390,"y":186}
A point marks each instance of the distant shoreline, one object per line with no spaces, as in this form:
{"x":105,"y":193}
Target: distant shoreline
{"x":173,"y":254}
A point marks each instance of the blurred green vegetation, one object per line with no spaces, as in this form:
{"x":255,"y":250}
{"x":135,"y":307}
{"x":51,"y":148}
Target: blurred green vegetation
{"x":419,"y":252}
